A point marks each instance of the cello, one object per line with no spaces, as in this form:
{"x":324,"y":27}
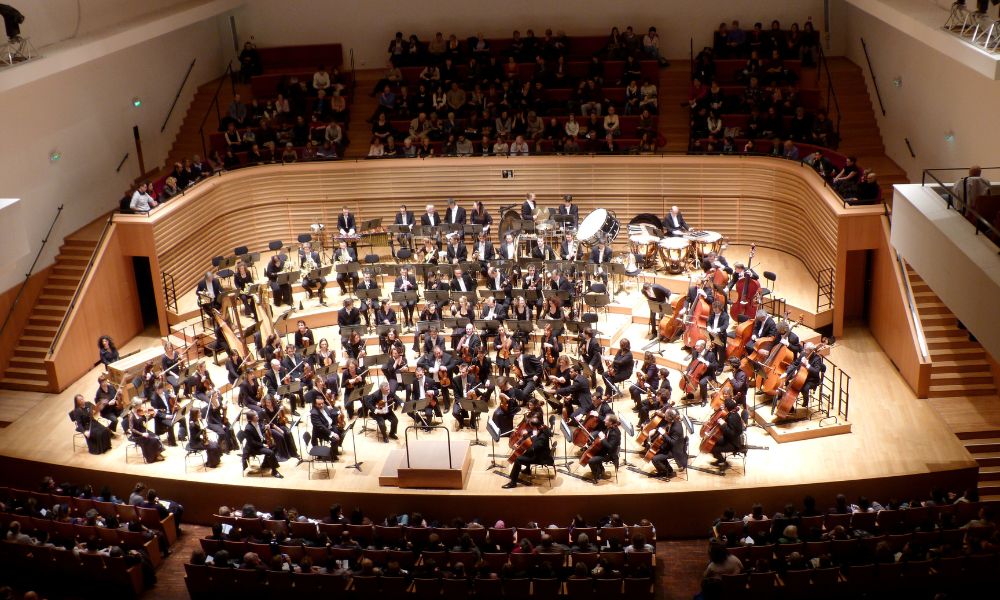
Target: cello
{"x":793,"y":386}
{"x":670,"y":326}
{"x":691,"y":377}
{"x":773,"y":367}
{"x":654,"y":421}
{"x":711,"y":431}
{"x":745,"y":293}
{"x":736,"y":346}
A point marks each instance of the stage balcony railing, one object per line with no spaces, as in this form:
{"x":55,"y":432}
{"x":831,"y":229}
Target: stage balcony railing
{"x":985,"y":220}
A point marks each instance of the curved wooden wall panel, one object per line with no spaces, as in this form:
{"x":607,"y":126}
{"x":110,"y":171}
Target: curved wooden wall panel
{"x":775,"y":203}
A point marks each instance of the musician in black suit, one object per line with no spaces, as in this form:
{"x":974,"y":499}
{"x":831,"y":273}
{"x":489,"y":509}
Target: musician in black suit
{"x":706,"y":355}
{"x":740,"y":272}
{"x":454,"y":214}
{"x":542,"y":251}
{"x":437,"y":363}
{"x":406,"y":283}
{"x":302,"y":333}
{"x":463,"y":382}
{"x":430,"y":218}
{"x":210,"y":291}
{"x":763,"y":326}
{"x":787,"y":337}
{"x":528,"y":207}
{"x":456,"y":250}
{"x":531,"y":368}
{"x":424,"y":387}
{"x":540,"y":452}
{"x":503,"y":416}
{"x":558,"y":282}
{"x":274,"y":377}
{"x":508,"y":250}
{"x":732,"y":431}
{"x":325,"y":427}
{"x":306,"y":254}
{"x":368,"y":305}
{"x":345,"y":254}
{"x":674,"y":223}
{"x":813,"y":362}
{"x":674,"y":445}
{"x":718,"y":325}
{"x":381,"y":407}
{"x":348,"y":315}
{"x":282,"y":293}
{"x":569,"y":249}
{"x":578,"y":389}
{"x":568,"y":208}
{"x":600,"y":255}
{"x":591,"y":354}
{"x":405,"y":218}
{"x":655,"y":293}
{"x":254,"y":445}
{"x":346,"y":223}
{"x":462,"y":282}
{"x":607,"y":451}
{"x":621,"y":366}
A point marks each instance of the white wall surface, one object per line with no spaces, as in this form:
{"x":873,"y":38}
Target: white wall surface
{"x":938,"y":95}
{"x":86,"y":113}
{"x":368,"y":25}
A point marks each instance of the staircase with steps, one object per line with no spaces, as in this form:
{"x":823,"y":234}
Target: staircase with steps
{"x":26,"y":370}
{"x":359,"y":130}
{"x":674,"y":119}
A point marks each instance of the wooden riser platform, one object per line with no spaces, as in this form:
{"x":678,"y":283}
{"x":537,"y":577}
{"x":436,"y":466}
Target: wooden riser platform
{"x":424,"y":464}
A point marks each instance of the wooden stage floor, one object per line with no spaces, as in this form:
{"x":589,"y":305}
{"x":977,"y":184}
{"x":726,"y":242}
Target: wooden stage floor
{"x":898,"y":447}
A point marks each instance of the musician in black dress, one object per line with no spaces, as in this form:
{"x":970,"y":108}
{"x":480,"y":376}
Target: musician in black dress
{"x":503,"y":416}
{"x":148,"y":442}
{"x":621,"y":366}
{"x":540,"y":452}
{"x":255,"y":444}
{"x":480,"y":216}
{"x":533,"y":281}
{"x":242,"y":277}
{"x":674,"y":445}
{"x":281,"y":293}
{"x":607,"y":451}
{"x":732,"y":435}
{"x":107,"y":349}
{"x":200,"y":440}
{"x":97,"y":435}
{"x":106,"y":400}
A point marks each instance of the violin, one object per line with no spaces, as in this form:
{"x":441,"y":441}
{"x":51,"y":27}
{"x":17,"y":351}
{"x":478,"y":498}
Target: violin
{"x":443,"y":378}
{"x":746,"y":293}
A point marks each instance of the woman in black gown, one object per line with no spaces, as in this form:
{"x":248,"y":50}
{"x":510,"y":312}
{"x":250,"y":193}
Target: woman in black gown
{"x":148,"y":442}
{"x":98,"y":436}
{"x":201,"y":440}
{"x":109,"y":352}
{"x":218,"y":422}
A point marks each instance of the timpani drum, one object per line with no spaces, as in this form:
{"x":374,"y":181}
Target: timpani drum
{"x":644,"y":247}
{"x":708,"y":241}
{"x":510,"y":222}
{"x":674,"y":254}
{"x":600,"y":223}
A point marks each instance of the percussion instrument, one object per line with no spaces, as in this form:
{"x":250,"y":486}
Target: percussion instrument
{"x":539,"y":214}
{"x":601,"y":221}
{"x":507,"y":223}
{"x":545,"y":226}
{"x":646,"y":221}
{"x":674,"y":254}
{"x":705,"y":242}
{"x":644,"y":245}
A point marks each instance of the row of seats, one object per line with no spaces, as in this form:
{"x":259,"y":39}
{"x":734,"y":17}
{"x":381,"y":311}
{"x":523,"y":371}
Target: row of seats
{"x":212,"y":583}
{"x":68,"y":532}
{"x":614,"y":71}
{"x":729,"y":71}
{"x":69,"y":574}
{"x":578,"y":47}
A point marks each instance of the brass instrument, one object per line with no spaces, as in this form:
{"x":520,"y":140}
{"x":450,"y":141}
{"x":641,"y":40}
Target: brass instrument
{"x":308,"y":266}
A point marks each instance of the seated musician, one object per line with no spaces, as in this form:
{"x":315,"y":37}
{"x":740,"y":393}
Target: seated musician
{"x":508,"y":250}
{"x":107,"y":349}
{"x":551,"y":346}
{"x":281,"y":293}
{"x":706,"y":355}
{"x":740,"y":272}
{"x":503,"y":416}
{"x":302,"y":332}
{"x":655,"y":293}
{"x":217,"y":421}
{"x":462,"y":282}
{"x":570,"y":209}
{"x":718,"y":326}
{"x":463,"y":382}
{"x":533,"y":281}
{"x":242,"y":279}
{"x":165,"y":405}
{"x":106,"y":400}
{"x":368,"y":306}
{"x":456,"y":250}
{"x":607,"y":451}
{"x":255,"y":444}
{"x":560,"y":376}
{"x":813,"y":362}
{"x":309,"y":261}
{"x":404,"y":218}
{"x":98,"y":437}
{"x":385,"y":314}
{"x":424,"y":388}
{"x":648,"y":379}
{"x":274,"y":418}
{"x":210,"y":291}
{"x":393,"y":369}
{"x":600,"y":255}
{"x":348,"y":315}
{"x":621,"y":366}
{"x":345,"y":255}
{"x":732,"y":432}
{"x":674,"y":223}
{"x":148,"y":442}
{"x":200,"y":440}
{"x":480,"y":216}
{"x":325,"y":421}
{"x":763,"y":326}
{"x":787,"y":337}
{"x":497,"y":281}
{"x":492,"y":311}
{"x":542,"y":251}
{"x":658,"y":400}
{"x":483,"y":251}
{"x":469,"y":342}
{"x":292,"y":366}
{"x":438,"y":365}
{"x":528,"y":207}
{"x":558,"y":282}
{"x":552,"y":309}
{"x":570,"y":248}
{"x":428,"y":340}
{"x":381,"y":407}
{"x":430,"y":218}
{"x":429,"y":254}
{"x":578,"y":390}
{"x":249,"y":393}
{"x":406,"y":283}
{"x":353,"y":378}
{"x":540,"y":452}
{"x":674,"y":445}
{"x":530,"y":367}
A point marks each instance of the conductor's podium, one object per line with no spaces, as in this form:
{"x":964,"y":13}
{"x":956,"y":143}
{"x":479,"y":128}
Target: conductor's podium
{"x":427,"y":464}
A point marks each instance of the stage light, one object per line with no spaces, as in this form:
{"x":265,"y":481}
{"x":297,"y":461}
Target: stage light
{"x":897,"y":82}
{"x":54,"y":156}
{"x":136,"y":102}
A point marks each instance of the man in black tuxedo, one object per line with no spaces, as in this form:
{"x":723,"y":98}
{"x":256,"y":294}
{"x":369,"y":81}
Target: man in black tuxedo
{"x":569,"y":249}
{"x":455,"y":215}
{"x":674,"y":445}
{"x":542,"y":251}
{"x":368,"y":305}
{"x":324,"y":419}
{"x":508,"y":250}
{"x":611,"y":439}
{"x":388,"y":402}
{"x":348,"y":315}
{"x":164,"y":419}
{"x":559,"y":282}
{"x":308,"y":284}
{"x":406,"y":283}
{"x":436,"y":363}
{"x":656,"y":293}
{"x":210,"y":291}
{"x":763,"y":326}
{"x":430,"y":218}
{"x":718,"y":325}
{"x":424,"y":387}
{"x":461,"y":385}
{"x":813,"y":362}
{"x":674,"y":223}
{"x":254,"y":445}
{"x":343,"y":255}
{"x":462,"y":282}
{"x":483,"y":251}
{"x":600,"y":255}
{"x":704,"y":354}
{"x":568,"y":208}
{"x":281,"y":293}
{"x":578,"y":389}
{"x":405,"y":218}
{"x":346,"y":223}
{"x":457,"y":252}
{"x":528,"y":207}
{"x":531,"y":368}
{"x":592,"y":352}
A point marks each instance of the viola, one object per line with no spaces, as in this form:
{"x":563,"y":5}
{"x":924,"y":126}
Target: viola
{"x":443,"y":378}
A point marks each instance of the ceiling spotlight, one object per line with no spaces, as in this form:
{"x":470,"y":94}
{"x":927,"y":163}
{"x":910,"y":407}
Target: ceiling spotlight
{"x":54,"y":156}
{"x":897,"y":82}
{"x":137,"y":101}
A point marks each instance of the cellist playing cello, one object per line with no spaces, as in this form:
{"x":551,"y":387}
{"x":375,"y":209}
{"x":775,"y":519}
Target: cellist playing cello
{"x":707,"y":358}
{"x":732,"y":429}
{"x":763,"y":326}
{"x":812,"y":361}
{"x":539,"y":449}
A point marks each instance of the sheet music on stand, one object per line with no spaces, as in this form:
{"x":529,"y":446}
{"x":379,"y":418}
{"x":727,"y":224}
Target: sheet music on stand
{"x":437,"y":296}
{"x":348,"y":267}
{"x":347,"y":330}
{"x":470,"y":295}
{"x":407,"y":296}
{"x":557,"y":325}
{"x":491,"y":326}
{"x":455,"y":322}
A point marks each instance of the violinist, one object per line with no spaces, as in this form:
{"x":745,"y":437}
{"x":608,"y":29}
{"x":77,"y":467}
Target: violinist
{"x":255,"y":444}
{"x":814,"y":365}
{"x":482,"y":367}
{"x":381,"y":407}
{"x":718,"y":325}
{"x":463,"y":383}
{"x":551,"y":347}
{"x":98,"y":437}
{"x":368,"y":305}
{"x":674,"y":223}
{"x":354,"y":347}
{"x":540,"y":452}
{"x":106,"y":400}
{"x":621,"y":366}
{"x":218,"y":422}
{"x":702,"y":353}
{"x":275,"y":421}
{"x":394,"y":367}
{"x":406,"y":283}
{"x":293,"y":365}
{"x":275,"y":376}
{"x":165,"y":405}
{"x":385,"y":314}
{"x":324,"y":356}
{"x":309,"y":261}
{"x":591,"y":353}
{"x":348,"y":315}
{"x":424,"y":388}
{"x":439,"y":365}
{"x":302,"y":332}
{"x":271,"y":346}
{"x":325,"y":420}
{"x":461,"y":310}
{"x":281,"y":293}
{"x":607,"y":450}
{"x":389,"y":339}
{"x":469,"y":342}
{"x":503,"y":416}
{"x":530,"y":367}
{"x":149,"y":443}
{"x":648,"y":379}
{"x":345,"y":255}
{"x":732,"y":431}
{"x":202,"y":441}
{"x":502,"y":346}
{"x":351,"y":379}
{"x":655,"y":292}
{"x":561,"y":376}
{"x":763,"y":326}
{"x":674,"y":445}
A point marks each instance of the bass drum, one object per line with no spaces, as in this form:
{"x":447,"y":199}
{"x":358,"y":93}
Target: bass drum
{"x":647,"y":219}
{"x":601,"y":222}
{"x":507,"y":224}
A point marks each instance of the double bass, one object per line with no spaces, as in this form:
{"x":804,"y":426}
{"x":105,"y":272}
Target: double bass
{"x":671,"y":326}
{"x":697,"y":323}
{"x":793,"y":387}
{"x":744,"y":294}
{"x":773,"y":367}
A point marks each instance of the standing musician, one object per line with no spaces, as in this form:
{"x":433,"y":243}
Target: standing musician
{"x":353,"y":377}
{"x":166,"y":406}
{"x":381,"y":407}
{"x":483,"y":251}
{"x":255,"y":444}
{"x":503,"y":415}
{"x":405,"y":218}
{"x":281,"y":293}
{"x":763,"y":326}
{"x":423,"y":387}
{"x":325,"y":420}
{"x":309,"y":261}
{"x":718,"y":325}
{"x":201,"y":441}
{"x":106,"y":400}
{"x":508,"y":250}
{"x":368,"y":305}
{"x":590,"y":354}
{"x":346,"y":255}
{"x":621,"y":366}
{"x":430,"y":218}
{"x":704,"y":354}
{"x":568,"y":208}
{"x":578,"y":390}
{"x":570,"y":248}
{"x":611,"y":439}
{"x":406,"y":283}
{"x":528,"y":207}
{"x":148,"y":442}
{"x":210,"y":291}
{"x":540,"y":452}
{"x":455,"y":214}
{"x":217,"y":421}
{"x":531,"y":369}
{"x":346,"y":224}
{"x":542,"y":251}
{"x":456,"y":250}
{"x":732,"y":432}
{"x":740,"y":272}
{"x":107,"y":349}
{"x":302,"y":333}
{"x":674,"y":445}
{"x":600,"y":255}
{"x":659,"y":294}
{"x":674,"y":223}
{"x":648,"y":379}
{"x":480,"y":216}
{"x":171,"y":364}
{"x":242,"y":279}
{"x":463,"y":383}
{"x":813,"y":362}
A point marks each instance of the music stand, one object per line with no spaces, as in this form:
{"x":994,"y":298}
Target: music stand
{"x":363,"y":295}
{"x":557,"y":325}
{"x":416,"y":407}
{"x":598,"y":301}
{"x":495,"y":436}
{"x":454,"y":322}
{"x":629,"y":432}
{"x":473,"y":406}
{"x":471,"y":229}
{"x":617,"y":270}
{"x":496,"y":294}
{"x":491,"y":327}
{"x":374,"y":360}
{"x":470,"y":295}
{"x":403,"y":232}
{"x":354,"y":445}
{"x":437,"y":296}
{"x":287,"y":278}
{"x":347,"y":330}
{"x":289,"y":389}
{"x":577,"y":327}
{"x":356,"y":394}
{"x":567,"y":435}
{"x":659,"y":308}
{"x":515,"y":326}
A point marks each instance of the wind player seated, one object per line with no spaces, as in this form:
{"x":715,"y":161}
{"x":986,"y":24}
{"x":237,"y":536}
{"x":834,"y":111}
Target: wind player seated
{"x":309,"y":261}
{"x":254,"y":444}
{"x":210,"y":291}
{"x":325,"y":428}
{"x":540,"y":452}
{"x":423,"y":387}
{"x":368,"y":305}
{"x":386,"y":412}
{"x":600,"y":255}
{"x":346,"y":255}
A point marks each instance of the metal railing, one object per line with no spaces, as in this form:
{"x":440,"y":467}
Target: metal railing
{"x":83,"y":280}
{"x":180,"y":89}
{"x":824,"y":289}
{"x":31,"y":269}
{"x":834,"y":394}
{"x":832,"y":103}
{"x":911,"y":304}
{"x":871,"y":71}
{"x":980,"y":222}
{"x":169,"y":291}
{"x":227,"y":74}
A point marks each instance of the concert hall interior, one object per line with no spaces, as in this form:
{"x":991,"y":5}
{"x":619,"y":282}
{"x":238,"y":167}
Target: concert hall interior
{"x":622,"y":283}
